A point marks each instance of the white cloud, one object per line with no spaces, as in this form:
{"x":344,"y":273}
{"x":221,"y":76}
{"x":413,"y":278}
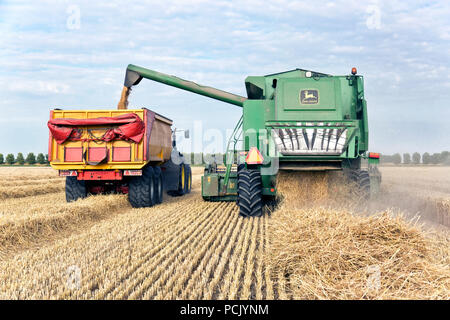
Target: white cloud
{"x":346,"y":49}
{"x":39,"y":87}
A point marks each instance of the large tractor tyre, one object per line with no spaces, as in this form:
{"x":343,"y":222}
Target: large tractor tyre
{"x":188,"y":183}
{"x":181,"y":181}
{"x":159,"y":187}
{"x":141,"y":191}
{"x":361,"y":179}
{"x":249,"y":193}
{"x":75,"y":189}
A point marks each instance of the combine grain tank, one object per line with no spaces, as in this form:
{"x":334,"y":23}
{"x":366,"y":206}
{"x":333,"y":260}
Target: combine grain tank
{"x":122,"y":151}
{"x":293,"y":120}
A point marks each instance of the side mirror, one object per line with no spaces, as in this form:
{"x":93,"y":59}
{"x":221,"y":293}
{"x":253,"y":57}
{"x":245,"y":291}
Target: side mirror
{"x":186,"y":134}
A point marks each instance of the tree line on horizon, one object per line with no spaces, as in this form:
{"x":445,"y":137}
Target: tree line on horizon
{"x":202,"y":158}
{"x":417,"y":158}
{"x":31,"y":159}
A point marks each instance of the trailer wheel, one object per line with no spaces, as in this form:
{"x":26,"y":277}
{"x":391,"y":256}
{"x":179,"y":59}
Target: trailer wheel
{"x":141,"y":191}
{"x":75,"y":189}
{"x":159,"y":188}
{"x":188,"y":179}
{"x":249,"y":193}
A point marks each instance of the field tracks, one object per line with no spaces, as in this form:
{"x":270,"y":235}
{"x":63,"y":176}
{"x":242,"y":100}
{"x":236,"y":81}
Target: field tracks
{"x":154,"y":265}
{"x":31,"y":226}
{"x":30,"y":188}
{"x":193,"y":265}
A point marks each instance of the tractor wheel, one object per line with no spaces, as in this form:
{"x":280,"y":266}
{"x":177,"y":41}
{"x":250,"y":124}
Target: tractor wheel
{"x":75,"y":189}
{"x":249,"y":193}
{"x":159,"y":188}
{"x":141,"y":191}
{"x":182,"y":181}
{"x":188,"y":179}
{"x":362,"y":180}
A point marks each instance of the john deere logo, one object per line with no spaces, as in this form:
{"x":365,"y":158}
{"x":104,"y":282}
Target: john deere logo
{"x":309,"y":96}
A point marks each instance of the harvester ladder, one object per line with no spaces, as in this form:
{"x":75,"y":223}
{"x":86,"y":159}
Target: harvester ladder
{"x":235,"y":138}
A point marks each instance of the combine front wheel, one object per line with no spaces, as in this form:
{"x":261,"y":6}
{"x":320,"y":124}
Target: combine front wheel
{"x":249,"y":193}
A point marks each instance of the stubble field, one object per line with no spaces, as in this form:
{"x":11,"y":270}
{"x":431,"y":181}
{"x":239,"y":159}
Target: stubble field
{"x":185,"y":248}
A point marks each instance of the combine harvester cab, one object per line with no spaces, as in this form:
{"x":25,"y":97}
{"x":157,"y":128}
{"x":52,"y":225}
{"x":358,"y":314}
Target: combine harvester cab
{"x":120,"y":151}
{"x":293,"y":120}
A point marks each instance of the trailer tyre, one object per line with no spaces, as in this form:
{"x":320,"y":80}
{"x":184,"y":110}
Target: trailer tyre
{"x":159,"y":188}
{"x":249,"y":193}
{"x":141,"y":191}
{"x":75,"y":189}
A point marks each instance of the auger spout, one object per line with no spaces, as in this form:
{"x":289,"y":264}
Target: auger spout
{"x":135,"y":74}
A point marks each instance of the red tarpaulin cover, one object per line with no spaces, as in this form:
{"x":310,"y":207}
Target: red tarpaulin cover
{"x":131,"y":127}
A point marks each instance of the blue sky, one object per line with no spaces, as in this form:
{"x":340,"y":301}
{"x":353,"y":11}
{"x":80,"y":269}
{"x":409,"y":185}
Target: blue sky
{"x":73,"y":54}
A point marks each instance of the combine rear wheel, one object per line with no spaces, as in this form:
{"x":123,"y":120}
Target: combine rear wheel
{"x":249,"y":193}
{"x":141,"y":192}
{"x":75,"y":189}
{"x":362,"y":180}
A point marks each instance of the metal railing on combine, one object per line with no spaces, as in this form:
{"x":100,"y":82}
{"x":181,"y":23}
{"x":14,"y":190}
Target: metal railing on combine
{"x":230,"y":155}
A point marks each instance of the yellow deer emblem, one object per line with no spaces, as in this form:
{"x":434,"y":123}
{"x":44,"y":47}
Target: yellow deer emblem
{"x":309,"y":95}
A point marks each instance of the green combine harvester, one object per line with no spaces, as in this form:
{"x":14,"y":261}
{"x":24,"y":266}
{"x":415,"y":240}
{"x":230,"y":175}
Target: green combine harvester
{"x":293,"y":120}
